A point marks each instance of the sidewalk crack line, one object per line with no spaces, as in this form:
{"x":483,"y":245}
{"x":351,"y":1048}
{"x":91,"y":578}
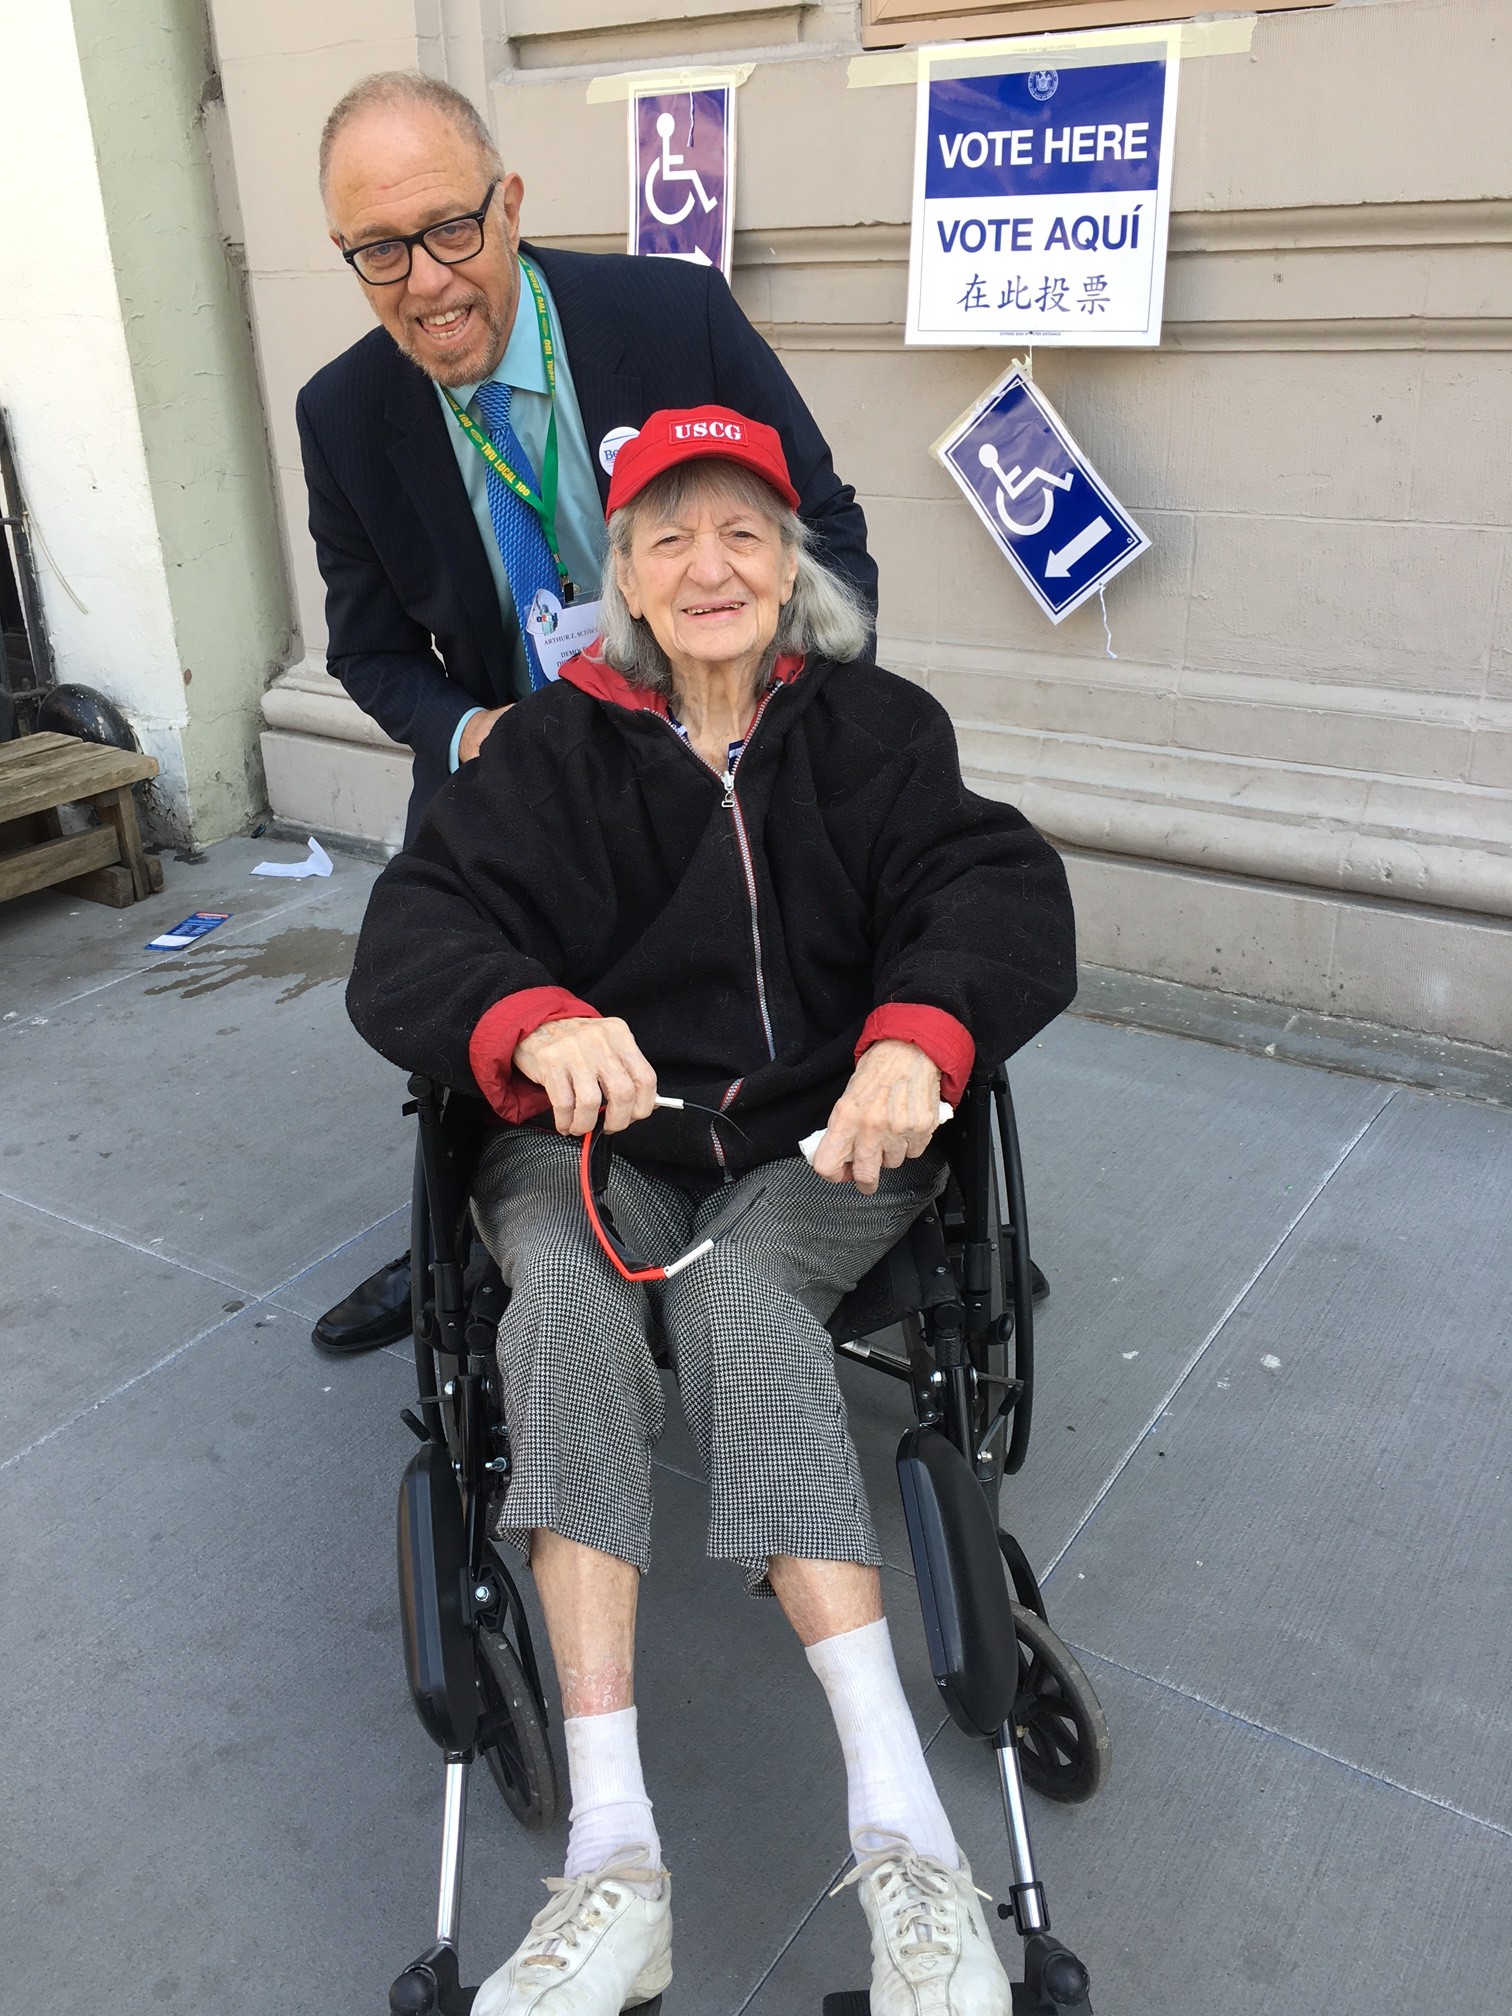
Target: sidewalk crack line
{"x":126,"y":1385}
{"x":120,"y":1239}
{"x":797,"y":1933}
{"x":1296,"y":1742}
{"x":254,"y":1303}
{"x":1212,"y":1336}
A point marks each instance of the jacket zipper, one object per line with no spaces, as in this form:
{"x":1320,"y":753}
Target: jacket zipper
{"x":748,"y":867}
{"x":750,"y":879}
{"x":724,"y":1106}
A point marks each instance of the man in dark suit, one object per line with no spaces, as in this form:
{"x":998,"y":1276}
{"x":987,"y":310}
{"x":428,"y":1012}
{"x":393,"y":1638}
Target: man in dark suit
{"x":458,"y":457}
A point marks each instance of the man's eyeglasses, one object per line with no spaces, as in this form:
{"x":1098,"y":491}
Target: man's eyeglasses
{"x":594,"y":1163}
{"x":449,"y":243}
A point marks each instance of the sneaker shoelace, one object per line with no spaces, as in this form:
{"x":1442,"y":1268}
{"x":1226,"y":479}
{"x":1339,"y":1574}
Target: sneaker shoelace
{"x":575,"y":1911}
{"x":915,"y":1891}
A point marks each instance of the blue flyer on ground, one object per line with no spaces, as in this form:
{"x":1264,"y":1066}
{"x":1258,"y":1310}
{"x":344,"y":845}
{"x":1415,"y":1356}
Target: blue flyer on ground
{"x":186,"y":933}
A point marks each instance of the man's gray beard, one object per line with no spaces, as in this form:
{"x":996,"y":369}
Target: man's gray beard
{"x":453,"y":375}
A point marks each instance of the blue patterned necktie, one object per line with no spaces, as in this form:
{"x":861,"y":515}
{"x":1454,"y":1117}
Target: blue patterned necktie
{"x":528,"y":564}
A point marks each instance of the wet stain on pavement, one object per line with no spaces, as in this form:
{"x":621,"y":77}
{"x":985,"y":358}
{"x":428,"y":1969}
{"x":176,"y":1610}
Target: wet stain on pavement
{"x":305,"y":956}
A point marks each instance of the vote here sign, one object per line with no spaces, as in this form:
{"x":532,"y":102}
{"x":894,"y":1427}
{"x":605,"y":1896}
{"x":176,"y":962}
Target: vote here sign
{"x":1042,"y":192}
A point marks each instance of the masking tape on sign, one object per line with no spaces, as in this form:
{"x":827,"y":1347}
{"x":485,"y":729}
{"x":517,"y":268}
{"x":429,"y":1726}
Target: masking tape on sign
{"x":632,"y":83}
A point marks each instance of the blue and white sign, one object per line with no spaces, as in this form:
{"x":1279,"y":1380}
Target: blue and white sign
{"x":682,"y":175}
{"x":1042,"y":191}
{"x":1059,"y":525}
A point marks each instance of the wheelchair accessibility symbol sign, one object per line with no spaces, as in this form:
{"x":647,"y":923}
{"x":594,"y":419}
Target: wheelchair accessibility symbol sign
{"x":1054,"y":519}
{"x":682,"y":175}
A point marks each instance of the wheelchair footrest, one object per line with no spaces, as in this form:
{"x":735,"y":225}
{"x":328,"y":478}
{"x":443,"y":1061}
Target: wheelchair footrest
{"x":850,"y":2002}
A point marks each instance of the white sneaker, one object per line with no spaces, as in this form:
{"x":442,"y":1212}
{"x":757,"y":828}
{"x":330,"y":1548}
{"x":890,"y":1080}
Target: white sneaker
{"x":598,"y":1947}
{"x":932,"y":1954}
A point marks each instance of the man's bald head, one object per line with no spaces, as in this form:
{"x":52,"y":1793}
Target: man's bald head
{"x":395,"y":90}
{"x":401,"y":153}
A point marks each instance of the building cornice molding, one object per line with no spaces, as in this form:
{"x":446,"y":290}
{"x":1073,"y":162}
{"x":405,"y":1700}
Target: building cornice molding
{"x":1213,"y":261}
{"x":306,"y":700}
{"x":1445,"y":841}
{"x":1447,"y":333}
{"x":1315,"y":228}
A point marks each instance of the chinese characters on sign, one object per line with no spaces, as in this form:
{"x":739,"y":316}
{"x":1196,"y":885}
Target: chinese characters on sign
{"x":1042,"y":194}
{"x":1047,"y":509}
{"x":682,"y":175}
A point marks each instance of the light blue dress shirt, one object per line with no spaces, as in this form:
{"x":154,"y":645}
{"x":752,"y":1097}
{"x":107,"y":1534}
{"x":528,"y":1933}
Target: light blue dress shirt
{"x":579,"y":515}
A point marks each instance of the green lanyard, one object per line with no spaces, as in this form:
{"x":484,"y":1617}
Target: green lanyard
{"x":544,"y":503}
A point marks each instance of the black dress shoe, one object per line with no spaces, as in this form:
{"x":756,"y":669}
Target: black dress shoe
{"x":376,"y":1312}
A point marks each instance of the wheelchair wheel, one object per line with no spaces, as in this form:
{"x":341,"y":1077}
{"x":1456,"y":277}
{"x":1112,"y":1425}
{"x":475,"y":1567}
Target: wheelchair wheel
{"x":1064,"y":1746}
{"x":519,"y":1752}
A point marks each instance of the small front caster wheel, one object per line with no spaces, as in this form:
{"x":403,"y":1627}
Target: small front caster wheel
{"x":431,"y":1986}
{"x":1054,"y":1979}
{"x":413,"y":1994}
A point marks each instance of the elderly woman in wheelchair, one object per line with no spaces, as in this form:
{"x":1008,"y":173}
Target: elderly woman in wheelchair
{"x":718,"y":889}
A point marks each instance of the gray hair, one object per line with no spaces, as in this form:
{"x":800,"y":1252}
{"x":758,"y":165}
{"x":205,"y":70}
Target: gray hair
{"x":409,"y":87}
{"x":823,"y":614}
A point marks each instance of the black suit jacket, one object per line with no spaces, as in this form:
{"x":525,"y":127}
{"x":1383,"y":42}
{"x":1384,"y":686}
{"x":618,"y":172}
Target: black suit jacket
{"x":416,"y":633}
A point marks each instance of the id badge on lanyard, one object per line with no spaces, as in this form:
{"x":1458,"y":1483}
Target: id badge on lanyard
{"x":559,"y":627}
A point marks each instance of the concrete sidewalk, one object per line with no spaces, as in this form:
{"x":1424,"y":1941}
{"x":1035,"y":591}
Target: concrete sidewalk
{"x":1270,"y":1487}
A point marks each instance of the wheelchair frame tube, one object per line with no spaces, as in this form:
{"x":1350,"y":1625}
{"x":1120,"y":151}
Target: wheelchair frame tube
{"x":453,"y":1827}
{"x":421,"y":1330}
{"x":1017,"y":1230}
{"x":959,"y":1331}
{"x":975,"y":1173}
{"x":1026,"y":1892}
{"x":445,"y":1269}
{"x":446,"y":1351}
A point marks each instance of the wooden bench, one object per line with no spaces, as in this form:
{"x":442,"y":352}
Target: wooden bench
{"x":41,"y":773}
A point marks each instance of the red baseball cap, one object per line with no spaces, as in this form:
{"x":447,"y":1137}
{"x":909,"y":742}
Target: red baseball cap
{"x":677,"y":434}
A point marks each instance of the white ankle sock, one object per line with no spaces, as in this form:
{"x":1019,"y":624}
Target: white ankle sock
{"x":610,"y":1810}
{"x":890,"y":1791}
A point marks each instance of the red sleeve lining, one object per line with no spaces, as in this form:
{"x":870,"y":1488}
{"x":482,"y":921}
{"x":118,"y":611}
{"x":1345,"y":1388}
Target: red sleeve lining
{"x":512,"y":1095}
{"x":943,"y":1039}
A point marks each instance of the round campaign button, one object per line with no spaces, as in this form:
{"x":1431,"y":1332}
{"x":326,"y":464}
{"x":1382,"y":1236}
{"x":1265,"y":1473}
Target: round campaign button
{"x":612,"y":443}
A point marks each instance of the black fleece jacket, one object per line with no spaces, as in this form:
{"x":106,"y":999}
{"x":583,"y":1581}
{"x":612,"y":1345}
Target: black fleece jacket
{"x":745,"y":936}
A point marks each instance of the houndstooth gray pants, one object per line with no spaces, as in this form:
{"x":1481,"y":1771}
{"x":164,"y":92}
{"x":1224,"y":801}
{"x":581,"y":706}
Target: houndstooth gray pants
{"x":744,"y":1327}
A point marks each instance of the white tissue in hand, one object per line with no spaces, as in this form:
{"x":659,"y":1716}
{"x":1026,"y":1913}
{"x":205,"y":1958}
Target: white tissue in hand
{"x":808,"y":1147}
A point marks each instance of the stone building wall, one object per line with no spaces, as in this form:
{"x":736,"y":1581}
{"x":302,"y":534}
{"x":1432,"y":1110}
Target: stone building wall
{"x":1294,"y":779}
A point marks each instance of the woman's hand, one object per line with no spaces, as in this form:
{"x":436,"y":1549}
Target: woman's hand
{"x":584,"y":1062}
{"x":884,"y":1117}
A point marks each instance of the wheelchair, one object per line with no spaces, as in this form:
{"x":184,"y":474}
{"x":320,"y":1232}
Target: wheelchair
{"x":960,"y":1289}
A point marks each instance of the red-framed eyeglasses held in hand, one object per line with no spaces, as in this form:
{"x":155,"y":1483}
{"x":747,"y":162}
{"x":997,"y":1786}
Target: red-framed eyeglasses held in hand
{"x":595,"y":1160}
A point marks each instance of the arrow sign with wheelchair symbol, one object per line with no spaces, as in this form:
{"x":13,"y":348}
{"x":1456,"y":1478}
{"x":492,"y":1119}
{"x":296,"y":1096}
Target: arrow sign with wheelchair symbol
{"x":1049,"y":512}
{"x":682,"y":175}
